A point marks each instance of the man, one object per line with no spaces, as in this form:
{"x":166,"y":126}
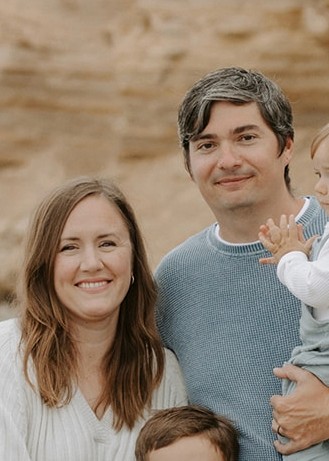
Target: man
{"x":227,"y":318}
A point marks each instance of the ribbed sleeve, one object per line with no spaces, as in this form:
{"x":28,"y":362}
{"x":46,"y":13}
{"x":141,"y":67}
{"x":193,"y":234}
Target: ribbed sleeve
{"x":13,"y":412}
{"x":308,"y":280}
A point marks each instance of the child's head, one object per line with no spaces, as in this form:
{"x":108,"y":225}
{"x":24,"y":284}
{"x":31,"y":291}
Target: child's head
{"x":187,"y":433}
{"x":320,"y":156}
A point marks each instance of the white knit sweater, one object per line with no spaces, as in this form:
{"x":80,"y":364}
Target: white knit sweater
{"x":308,"y":280}
{"x":31,"y":431}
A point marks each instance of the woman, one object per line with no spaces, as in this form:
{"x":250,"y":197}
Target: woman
{"x":83,"y":367}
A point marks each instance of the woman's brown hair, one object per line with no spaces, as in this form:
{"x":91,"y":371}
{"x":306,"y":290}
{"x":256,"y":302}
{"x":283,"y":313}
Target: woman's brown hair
{"x":134,"y":365}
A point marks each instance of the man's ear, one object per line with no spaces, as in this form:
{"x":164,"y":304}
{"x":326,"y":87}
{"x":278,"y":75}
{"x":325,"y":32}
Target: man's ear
{"x":188,"y":168}
{"x":288,"y":151}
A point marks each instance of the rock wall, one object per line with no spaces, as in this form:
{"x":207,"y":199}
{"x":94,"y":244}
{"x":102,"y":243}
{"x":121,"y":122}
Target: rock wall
{"x":93,"y":88}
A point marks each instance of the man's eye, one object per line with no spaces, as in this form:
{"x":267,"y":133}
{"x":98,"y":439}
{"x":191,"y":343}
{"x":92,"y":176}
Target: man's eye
{"x":247,"y":137}
{"x":206,"y":146}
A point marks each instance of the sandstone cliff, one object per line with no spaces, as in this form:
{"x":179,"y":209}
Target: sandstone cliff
{"x":93,"y":88}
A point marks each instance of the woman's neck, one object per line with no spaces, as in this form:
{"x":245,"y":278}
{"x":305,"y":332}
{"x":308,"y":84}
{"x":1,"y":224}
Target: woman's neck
{"x":92,"y":341}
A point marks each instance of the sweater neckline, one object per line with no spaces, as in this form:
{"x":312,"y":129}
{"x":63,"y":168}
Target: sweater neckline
{"x":102,"y":428}
{"x":256,"y":246}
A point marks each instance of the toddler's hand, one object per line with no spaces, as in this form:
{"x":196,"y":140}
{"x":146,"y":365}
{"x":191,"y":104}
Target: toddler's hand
{"x":283,"y":238}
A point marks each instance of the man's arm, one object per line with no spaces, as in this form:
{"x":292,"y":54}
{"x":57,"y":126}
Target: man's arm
{"x":303,"y":415}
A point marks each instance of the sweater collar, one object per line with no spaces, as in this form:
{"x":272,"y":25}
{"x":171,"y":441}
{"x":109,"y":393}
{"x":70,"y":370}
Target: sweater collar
{"x":308,"y":212}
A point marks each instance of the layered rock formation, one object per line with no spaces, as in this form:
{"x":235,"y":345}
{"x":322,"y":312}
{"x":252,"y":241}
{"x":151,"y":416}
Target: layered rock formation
{"x":93,"y":88}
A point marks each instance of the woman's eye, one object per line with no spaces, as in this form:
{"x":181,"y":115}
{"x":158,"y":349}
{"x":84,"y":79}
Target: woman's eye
{"x":108,"y":243}
{"x":67,"y":247}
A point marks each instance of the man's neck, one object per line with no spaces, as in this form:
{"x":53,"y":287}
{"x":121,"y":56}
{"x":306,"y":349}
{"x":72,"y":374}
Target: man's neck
{"x":241,"y":225}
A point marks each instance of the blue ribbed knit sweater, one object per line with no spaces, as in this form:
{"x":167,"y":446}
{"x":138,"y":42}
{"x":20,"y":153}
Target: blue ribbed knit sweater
{"x":230,"y":321}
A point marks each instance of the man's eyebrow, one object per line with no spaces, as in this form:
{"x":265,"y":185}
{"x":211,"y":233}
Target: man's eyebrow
{"x":243,"y":128}
{"x":237,"y":130}
{"x":202,"y":135}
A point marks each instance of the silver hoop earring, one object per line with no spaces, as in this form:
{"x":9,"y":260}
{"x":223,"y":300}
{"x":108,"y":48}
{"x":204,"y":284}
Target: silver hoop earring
{"x":132,"y":279}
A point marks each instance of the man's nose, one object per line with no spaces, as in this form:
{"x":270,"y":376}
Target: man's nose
{"x":228,"y":157}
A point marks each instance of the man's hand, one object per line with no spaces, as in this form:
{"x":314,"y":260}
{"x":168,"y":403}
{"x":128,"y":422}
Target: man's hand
{"x":303,"y":415}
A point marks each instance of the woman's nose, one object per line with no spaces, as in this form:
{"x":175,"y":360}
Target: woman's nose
{"x":91,"y":260}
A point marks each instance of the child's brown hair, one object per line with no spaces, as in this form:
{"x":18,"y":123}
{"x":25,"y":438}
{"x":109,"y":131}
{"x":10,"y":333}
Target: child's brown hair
{"x":167,"y":426}
{"x":318,"y":138}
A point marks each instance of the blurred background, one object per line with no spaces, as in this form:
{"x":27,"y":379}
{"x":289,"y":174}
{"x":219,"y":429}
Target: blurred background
{"x":92,"y":87}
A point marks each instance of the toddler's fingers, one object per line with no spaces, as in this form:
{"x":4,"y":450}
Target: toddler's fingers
{"x":269,"y":260}
{"x":294,"y":231}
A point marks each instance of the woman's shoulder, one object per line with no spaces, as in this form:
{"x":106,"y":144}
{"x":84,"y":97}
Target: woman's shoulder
{"x":171,"y":359}
{"x":10,"y":363}
{"x":173,"y":382}
{"x":9,"y":333}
